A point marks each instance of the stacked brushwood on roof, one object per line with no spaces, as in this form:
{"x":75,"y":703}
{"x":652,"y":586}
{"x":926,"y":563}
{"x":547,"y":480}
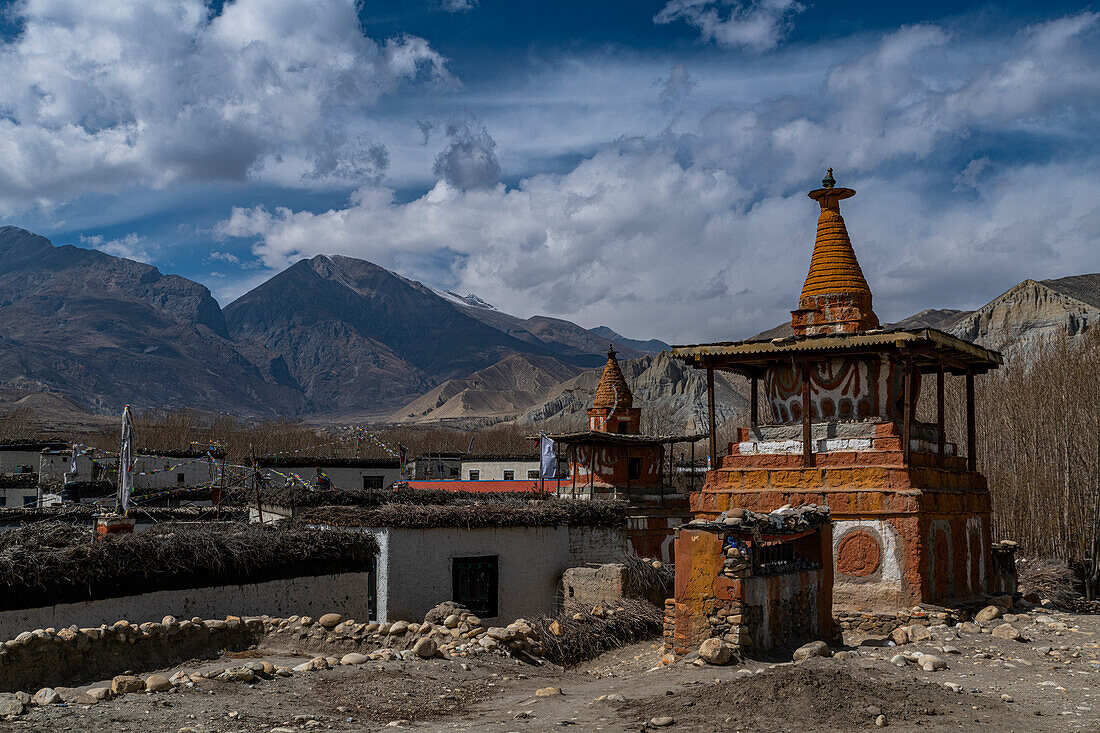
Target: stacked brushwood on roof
{"x":471,"y":515}
{"x":84,"y":513}
{"x":300,"y":496}
{"x":18,"y":480}
{"x":47,"y":563}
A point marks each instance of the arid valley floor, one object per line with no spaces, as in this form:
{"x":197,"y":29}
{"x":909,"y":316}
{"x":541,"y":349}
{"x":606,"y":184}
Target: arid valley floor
{"x":1048,"y":682}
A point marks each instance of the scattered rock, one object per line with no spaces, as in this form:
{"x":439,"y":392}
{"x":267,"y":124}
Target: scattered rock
{"x":10,"y":704}
{"x":813,"y":649}
{"x":124,"y":684}
{"x":330,"y":619}
{"x":662,"y":722}
{"x":1008,"y":698}
{"x":1007,"y":631}
{"x":953,"y":686}
{"x":100,"y":693}
{"x":900,"y":635}
{"x":989,"y":613}
{"x":354,"y":658}
{"x":425,"y":648}
{"x":398,"y":628}
{"x":452,"y":621}
{"x":966,"y":627}
{"x":556,"y":629}
{"x":880,"y":721}
{"x":899,"y":660}
{"x":157,"y":683}
{"x":47,"y":696}
{"x":931,"y":663}
{"x":713,"y":651}
{"x":548,"y":691}
{"x":919,"y":633}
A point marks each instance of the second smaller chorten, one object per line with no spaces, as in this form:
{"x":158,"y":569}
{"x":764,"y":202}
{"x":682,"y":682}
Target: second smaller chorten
{"x":613,"y":408}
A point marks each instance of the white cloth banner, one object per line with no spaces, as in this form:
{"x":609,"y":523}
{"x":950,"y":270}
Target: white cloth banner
{"x":126,"y":460}
{"x":549,"y":466}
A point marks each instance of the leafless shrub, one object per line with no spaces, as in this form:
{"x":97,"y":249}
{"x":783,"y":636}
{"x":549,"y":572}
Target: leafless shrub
{"x":586,"y":635}
{"x":646,"y":580}
{"x":1052,"y":579}
{"x":300,"y":496}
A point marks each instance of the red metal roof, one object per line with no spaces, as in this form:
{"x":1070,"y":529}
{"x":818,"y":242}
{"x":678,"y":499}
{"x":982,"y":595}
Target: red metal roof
{"x":485,"y":487}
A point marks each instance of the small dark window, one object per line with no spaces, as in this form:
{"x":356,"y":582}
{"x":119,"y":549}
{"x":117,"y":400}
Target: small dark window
{"x":622,"y":427}
{"x":509,"y":475}
{"x":180,"y":478}
{"x":634,"y":468}
{"x":533,"y":473}
{"x":3,"y":501}
{"x":475,"y":582}
{"x":372,"y":483}
{"x":475,"y":475}
{"x":30,"y":500}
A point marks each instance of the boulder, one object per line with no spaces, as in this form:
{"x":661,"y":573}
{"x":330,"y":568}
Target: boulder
{"x":931,"y":663}
{"x":556,"y":629}
{"x":47,"y":696}
{"x":917,"y":633}
{"x":452,"y":621}
{"x":713,"y":651}
{"x":900,"y":635}
{"x":989,"y":613}
{"x":125,"y":683}
{"x":10,"y":704}
{"x":548,"y":692}
{"x":1002,"y":602}
{"x":330,"y":620}
{"x":425,"y":648}
{"x":354,"y":658}
{"x":1007,"y":631}
{"x":157,"y":683}
{"x":966,"y":627}
{"x":813,"y":649}
{"x":398,"y":628}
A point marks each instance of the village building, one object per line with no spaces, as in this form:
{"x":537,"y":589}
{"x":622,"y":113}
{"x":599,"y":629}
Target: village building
{"x":911,"y":513}
{"x":435,"y":467}
{"x":350,"y":474}
{"x":24,"y":456}
{"x":500,"y":468}
{"x":169,"y":469}
{"x":613,"y":460}
{"x":502,"y":560}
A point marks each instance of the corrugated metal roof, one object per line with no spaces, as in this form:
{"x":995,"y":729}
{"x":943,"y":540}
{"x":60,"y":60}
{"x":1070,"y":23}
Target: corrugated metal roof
{"x":729,"y":353}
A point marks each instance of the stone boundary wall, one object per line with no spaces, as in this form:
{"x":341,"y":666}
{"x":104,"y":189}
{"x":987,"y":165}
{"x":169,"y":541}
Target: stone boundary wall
{"x":75,"y":656}
{"x":345,"y":593}
{"x":48,"y":658}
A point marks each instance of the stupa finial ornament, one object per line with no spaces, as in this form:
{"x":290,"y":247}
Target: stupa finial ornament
{"x":828,"y":181}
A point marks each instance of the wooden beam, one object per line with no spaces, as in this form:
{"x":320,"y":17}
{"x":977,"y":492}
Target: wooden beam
{"x":940,"y":440}
{"x":971,"y":431}
{"x":807,"y":425}
{"x":710,"y":417}
{"x":907,"y":406}
{"x":753,"y":400}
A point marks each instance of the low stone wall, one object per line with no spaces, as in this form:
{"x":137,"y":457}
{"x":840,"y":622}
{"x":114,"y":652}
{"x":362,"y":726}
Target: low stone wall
{"x":47,"y":658}
{"x":881,"y":623}
{"x":345,"y":593}
{"x":71,"y":657}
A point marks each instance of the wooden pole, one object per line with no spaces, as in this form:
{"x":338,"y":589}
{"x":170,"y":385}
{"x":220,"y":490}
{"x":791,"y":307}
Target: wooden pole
{"x":807,"y":425}
{"x":256,"y":484}
{"x":573,"y":468}
{"x":971,"y":432}
{"x":710,"y":417}
{"x":940,"y":441}
{"x":753,"y":401}
{"x":906,"y":407}
{"x":691,"y":487}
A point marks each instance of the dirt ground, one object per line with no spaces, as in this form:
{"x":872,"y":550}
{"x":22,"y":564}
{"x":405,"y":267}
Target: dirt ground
{"x":1051,"y":681}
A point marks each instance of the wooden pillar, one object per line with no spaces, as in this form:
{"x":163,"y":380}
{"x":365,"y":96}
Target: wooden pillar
{"x":710,"y":417}
{"x":907,"y":406}
{"x":691,"y":487}
{"x":753,"y":400}
{"x":807,"y":424}
{"x":971,"y":432}
{"x":940,"y":440}
{"x":573,"y":468}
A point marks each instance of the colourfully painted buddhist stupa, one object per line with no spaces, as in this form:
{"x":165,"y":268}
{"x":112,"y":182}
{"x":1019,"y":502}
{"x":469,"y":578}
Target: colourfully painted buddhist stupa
{"x":911,"y":516}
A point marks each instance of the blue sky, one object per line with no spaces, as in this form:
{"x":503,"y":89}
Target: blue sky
{"x":636,"y":164}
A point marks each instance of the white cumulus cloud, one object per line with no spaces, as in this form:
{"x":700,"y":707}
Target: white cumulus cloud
{"x":752,"y":25}
{"x":97,"y":95}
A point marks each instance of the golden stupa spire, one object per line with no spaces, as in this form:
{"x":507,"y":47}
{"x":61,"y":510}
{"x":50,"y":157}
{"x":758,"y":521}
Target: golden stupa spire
{"x":613,"y":391}
{"x":835,"y":297}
